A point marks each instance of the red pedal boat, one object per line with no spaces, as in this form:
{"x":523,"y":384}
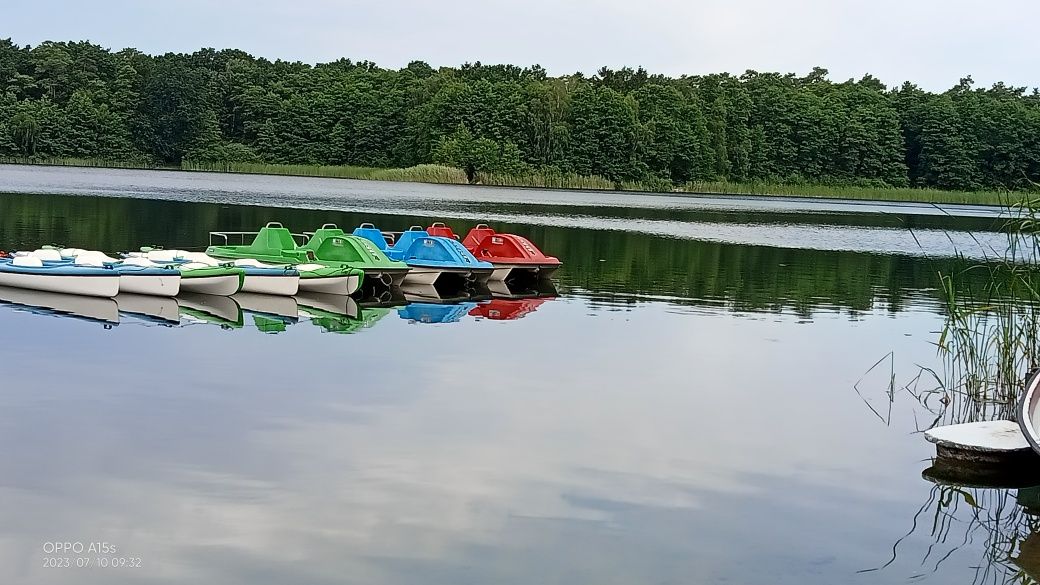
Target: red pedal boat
{"x":512,"y":255}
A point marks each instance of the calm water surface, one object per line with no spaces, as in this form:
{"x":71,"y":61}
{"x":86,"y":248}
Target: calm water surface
{"x":692,"y":403}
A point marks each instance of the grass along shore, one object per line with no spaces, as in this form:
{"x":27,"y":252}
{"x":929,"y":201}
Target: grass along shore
{"x":429,"y":173}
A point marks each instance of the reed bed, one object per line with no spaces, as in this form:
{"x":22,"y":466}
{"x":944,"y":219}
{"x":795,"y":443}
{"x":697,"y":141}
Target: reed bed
{"x":900,"y":194}
{"x":547,"y":181}
{"x":418,"y":173}
{"x":80,"y":162}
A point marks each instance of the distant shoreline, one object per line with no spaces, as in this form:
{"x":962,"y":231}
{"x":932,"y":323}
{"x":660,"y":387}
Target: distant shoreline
{"x":436,"y":174}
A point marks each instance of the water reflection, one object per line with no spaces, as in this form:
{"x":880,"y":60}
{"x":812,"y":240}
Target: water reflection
{"x":613,"y":267}
{"x":274,"y":314}
{"x":680,"y":410}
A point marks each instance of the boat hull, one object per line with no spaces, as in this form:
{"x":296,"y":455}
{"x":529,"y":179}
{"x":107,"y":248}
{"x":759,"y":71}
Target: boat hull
{"x":331,"y":285}
{"x":428,"y":276}
{"x":89,"y":286}
{"x":504,"y":271}
{"x":223,"y":285}
{"x":283,"y":286}
{"x":155,"y":286}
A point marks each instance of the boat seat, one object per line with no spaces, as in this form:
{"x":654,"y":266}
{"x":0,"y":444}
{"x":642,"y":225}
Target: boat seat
{"x":408,"y":238}
{"x":439,"y":229}
{"x":272,"y":238}
{"x":477,"y":235}
{"x":372,"y":234}
{"x":27,"y":261}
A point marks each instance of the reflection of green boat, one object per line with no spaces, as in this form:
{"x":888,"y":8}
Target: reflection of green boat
{"x":328,"y":246}
{"x":218,"y":310}
{"x":338,"y":314}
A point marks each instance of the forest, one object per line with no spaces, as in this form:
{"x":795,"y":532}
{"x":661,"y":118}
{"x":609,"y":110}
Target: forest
{"x":79,"y":100}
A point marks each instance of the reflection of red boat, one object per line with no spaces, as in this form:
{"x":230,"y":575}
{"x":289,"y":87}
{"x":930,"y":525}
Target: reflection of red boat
{"x":506,"y":309}
{"x":511,"y":254}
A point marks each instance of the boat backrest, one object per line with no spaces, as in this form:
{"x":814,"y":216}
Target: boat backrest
{"x":27,"y":261}
{"x":407,"y":238}
{"x":477,"y":235}
{"x":439,"y":229}
{"x":319,"y":236}
{"x":272,"y":238}
{"x":372,"y":234}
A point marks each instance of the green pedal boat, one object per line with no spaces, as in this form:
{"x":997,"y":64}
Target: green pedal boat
{"x":327,"y":246}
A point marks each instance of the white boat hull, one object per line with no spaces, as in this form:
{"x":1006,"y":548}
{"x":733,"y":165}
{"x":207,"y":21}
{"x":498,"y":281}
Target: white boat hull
{"x":221,"y":286}
{"x":282,"y":286}
{"x":333,"y":285}
{"x":422,"y":276}
{"x":156,"y":286}
{"x":89,"y":286}
{"x":504,"y":271}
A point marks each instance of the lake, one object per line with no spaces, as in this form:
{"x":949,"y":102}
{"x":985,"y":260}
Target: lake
{"x":695,"y":400}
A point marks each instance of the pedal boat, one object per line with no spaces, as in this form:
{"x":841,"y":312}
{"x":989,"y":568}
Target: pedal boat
{"x":30,"y":272}
{"x":196,"y":277}
{"x":336,"y":266}
{"x":134,"y":277}
{"x":512,"y":255}
{"x":430,"y":258}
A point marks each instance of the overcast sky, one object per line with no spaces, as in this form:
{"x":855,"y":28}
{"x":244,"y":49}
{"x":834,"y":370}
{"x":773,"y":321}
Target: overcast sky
{"x":931,"y":42}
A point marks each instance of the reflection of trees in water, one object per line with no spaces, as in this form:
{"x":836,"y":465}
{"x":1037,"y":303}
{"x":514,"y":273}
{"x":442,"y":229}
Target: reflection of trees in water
{"x":611,"y":267}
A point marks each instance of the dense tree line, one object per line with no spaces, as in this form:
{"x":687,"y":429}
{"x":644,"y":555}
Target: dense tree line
{"x":80,"y":100}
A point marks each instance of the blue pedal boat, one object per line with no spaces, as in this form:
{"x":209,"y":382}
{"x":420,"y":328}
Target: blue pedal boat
{"x":430,"y":258}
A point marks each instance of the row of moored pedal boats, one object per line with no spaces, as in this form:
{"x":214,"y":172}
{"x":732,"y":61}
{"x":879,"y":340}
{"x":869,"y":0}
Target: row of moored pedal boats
{"x":278,"y":262}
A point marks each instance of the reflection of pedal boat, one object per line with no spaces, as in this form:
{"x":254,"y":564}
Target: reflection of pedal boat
{"x":217,"y":309}
{"x":339,"y":314}
{"x":429,"y":258}
{"x":61,"y":305}
{"x":506,"y":309}
{"x":512,"y":290}
{"x":270,"y":313}
{"x":163,"y":310}
{"x":331,"y":262}
{"x":30,"y":272}
{"x":424,"y":312}
{"x":511,"y":255}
